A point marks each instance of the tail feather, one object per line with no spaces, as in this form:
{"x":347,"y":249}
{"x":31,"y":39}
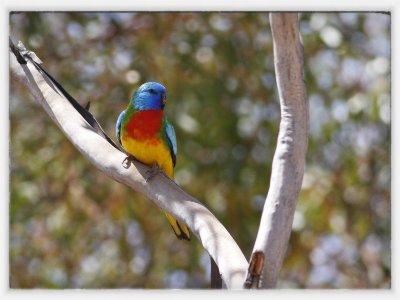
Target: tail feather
{"x":180,"y":229}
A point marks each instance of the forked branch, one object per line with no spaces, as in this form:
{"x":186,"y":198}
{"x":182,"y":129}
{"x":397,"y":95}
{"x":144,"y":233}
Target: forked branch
{"x":289,"y":159}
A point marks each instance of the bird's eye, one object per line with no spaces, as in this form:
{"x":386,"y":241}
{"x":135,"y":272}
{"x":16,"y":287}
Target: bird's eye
{"x":152,"y":91}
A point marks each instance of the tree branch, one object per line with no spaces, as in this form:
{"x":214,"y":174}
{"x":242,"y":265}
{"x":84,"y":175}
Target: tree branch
{"x":289,"y":159}
{"x":103,"y":155}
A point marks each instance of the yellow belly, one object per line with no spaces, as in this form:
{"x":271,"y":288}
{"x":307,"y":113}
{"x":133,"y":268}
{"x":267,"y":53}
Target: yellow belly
{"x":150,"y":152}
{"x":154,"y":152}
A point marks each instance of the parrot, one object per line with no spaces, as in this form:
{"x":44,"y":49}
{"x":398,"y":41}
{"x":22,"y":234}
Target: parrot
{"x":145,"y":133}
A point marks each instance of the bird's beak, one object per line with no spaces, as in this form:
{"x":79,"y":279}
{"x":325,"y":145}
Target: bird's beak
{"x":164,"y":99}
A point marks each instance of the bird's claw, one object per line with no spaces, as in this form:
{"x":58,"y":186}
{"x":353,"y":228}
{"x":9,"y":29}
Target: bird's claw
{"x":127,"y":161}
{"x":155,"y":169}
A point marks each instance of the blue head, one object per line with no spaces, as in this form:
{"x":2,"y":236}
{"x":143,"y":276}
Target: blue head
{"x":149,"y":96}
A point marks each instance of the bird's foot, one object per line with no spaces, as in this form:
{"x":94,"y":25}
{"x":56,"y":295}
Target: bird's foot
{"x":127,"y":161}
{"x":155,"y":169}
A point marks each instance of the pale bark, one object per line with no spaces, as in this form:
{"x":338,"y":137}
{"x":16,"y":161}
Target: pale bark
{"x":289,"y":159}
{"x":161,"y":190}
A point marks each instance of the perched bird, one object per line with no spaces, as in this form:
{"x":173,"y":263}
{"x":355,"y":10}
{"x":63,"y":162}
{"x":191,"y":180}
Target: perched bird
{"x":145,"y":133}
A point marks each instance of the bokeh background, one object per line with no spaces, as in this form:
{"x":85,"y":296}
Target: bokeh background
{"x":73,"y":227}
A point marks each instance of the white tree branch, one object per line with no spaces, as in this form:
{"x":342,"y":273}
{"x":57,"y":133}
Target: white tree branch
{"x":161,"y":190}
{"x":289,"y":159}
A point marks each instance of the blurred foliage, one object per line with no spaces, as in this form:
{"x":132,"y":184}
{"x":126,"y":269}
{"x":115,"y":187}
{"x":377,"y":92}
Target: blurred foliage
{"x":73,"y":227}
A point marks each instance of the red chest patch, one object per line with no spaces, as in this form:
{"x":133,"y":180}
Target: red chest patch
{"x":144,"y":124}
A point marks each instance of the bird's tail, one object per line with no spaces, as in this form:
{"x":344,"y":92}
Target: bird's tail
{"x":180,"y":230}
